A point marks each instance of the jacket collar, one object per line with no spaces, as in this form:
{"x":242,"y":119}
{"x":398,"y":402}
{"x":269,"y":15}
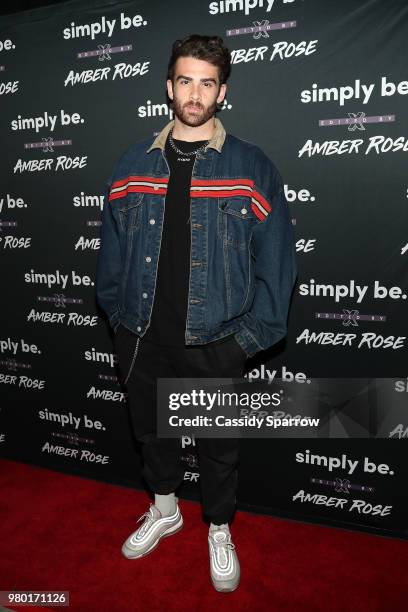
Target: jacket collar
{"x":216,"y":142}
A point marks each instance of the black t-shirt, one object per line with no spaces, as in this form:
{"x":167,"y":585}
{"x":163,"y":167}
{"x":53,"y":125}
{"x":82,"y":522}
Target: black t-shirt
{"x":169,"y":313}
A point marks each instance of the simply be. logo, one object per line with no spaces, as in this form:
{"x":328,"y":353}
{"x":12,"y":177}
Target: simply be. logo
{"x":269,"y":375}
{"x":7,"y":45}
{"x":46,"y":121}
{"x":84,"y":200}
{"x":50,"y":279}
{"x":74,"y":319}
{"x":355,"y":120}
{"x":351,"y":317}
{"x":343,"y":462}
{"x":10,"y":202}
{"x":154,"y":110}
{"x":187,"y":441}
{"x":104,"y":52}
{"x":356,"y":91}
{"x":302,"y":195}
{"x":351,"y":291}
{"x":101,"y":357}
{"x":70,"y":420}
{"x":348,"y":465}
{"x":102,"y":26}
{"x":234,"y":6}
{"x":8,"y":345}
{"x":47,"y":144}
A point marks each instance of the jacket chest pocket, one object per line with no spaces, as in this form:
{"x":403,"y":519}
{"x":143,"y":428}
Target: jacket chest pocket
{"x":129,"y":212}
{"x":235,"y":221}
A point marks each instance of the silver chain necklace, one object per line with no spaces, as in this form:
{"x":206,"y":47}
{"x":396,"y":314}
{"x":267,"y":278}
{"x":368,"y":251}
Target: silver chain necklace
{"x":173,"y":146}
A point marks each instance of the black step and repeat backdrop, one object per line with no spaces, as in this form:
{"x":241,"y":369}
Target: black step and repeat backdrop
{"x":322,"y":88}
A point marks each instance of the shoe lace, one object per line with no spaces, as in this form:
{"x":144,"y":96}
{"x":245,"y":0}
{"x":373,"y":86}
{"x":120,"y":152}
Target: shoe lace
{"x":149,"y":518}
{"x":223,"y":544}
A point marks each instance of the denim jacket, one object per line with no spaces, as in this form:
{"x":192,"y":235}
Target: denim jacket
{"x":242,"y":259}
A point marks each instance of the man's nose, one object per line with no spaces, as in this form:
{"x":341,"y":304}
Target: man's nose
{"x":195,"y":92}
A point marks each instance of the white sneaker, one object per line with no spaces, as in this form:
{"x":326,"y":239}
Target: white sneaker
{"x":148,"y":535}
{"x":224,"y":564}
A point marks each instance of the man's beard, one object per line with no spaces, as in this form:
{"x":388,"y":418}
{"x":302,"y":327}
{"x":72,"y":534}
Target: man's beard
{"x":190,"y":118}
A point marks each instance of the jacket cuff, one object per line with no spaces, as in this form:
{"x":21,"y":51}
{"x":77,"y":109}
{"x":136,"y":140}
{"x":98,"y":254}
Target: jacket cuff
{"x":247,"y":342}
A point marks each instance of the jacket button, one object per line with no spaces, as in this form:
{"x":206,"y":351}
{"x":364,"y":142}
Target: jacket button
{"x":152,"y":221}
{"x":139,"y":328}
{"x":244,"y":211}
{"x":148,"y":259}
{"x":144,"y":295}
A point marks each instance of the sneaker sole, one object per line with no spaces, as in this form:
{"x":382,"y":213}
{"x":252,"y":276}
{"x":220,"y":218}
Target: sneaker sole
{"x":168,"y":532}
{"x":224,"y":590}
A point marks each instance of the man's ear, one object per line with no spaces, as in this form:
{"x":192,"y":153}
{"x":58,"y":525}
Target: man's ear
{"x":221,"y":95}
{"x":170,"y":89}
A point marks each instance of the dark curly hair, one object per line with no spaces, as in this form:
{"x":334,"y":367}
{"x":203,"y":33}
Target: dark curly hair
{"x":208,"y":48}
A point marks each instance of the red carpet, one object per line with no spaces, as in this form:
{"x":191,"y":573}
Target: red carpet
{"x":61,"y":532}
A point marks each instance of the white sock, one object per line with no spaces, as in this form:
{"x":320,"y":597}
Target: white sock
{"x":216,"y":527}
{"x":165,"y":503}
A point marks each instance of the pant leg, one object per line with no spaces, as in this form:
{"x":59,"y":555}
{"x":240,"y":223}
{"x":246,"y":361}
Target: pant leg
{"x":140,"y":364}
{"x":218,"y":457}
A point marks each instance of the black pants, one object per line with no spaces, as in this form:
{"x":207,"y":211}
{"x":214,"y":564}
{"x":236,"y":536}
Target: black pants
{"x":140,"y":364}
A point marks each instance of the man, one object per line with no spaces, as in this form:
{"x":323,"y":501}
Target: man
{"x":195,"y":273}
